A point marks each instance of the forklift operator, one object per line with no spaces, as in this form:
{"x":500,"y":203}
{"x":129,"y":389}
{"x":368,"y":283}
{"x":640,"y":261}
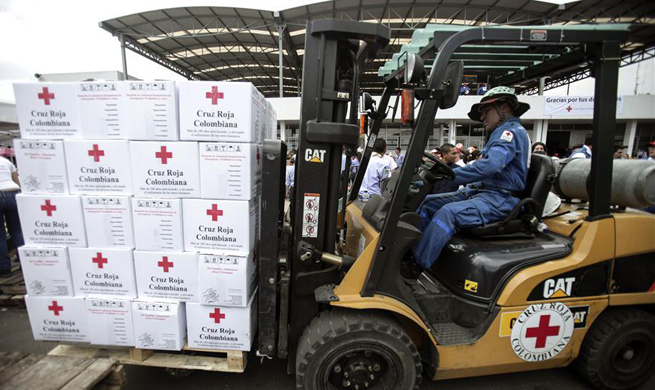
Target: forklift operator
{"x":492,"y":183}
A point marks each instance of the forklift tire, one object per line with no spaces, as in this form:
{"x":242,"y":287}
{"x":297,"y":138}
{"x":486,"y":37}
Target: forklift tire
{"x":348,"y":349}
{"x":619,"y":350}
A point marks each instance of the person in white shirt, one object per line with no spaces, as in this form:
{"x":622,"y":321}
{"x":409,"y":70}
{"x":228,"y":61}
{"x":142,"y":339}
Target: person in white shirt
{"x":378,"y":170}
{"x":8,"y":189}
{"x":289,"y":178}
{"x":393,"y":165}
{"x":584,"y":151}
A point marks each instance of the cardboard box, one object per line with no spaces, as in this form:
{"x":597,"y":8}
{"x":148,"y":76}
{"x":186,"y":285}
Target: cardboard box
{"x":157,"y":224}
{"x":54,"y":220}
{"x":58,"y":318}
{"x":219,"y":111}
{"x":101,"y":109}
{"x":103,"y":271}
{"x":47,"y":110}
{"x":167,"y":275}
{"x":42,"y":166}
{"x":165,"y":169}
{"x":108,"y":221}
{"x":46,"y":271}
{"x":227,"y":280}
{"x":159,"y":324}
{"x":110,"y":321}
{"x":99,"y":166}
{"x":231,"y":328}
{"x":272,"y":117}
{"x":230,"y":170}
{"x":220,"y":226}
{"x":151,"y":110}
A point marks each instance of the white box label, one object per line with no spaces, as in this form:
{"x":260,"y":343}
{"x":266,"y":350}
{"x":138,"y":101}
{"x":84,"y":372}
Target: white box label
{"x":220,"y":226}
{"x":46,"y":271}
{"x":167,"y":275}
{"x":159,"y":324}
{"x":230,"y":170}
{"x":98,"y":167}
{"x":58,"y":318}
{"x":110,"y":320}
{"x":219,"y":111}
{"x":108,"y":221}
{"x":157,"y":224}
{"x":151,"y":110}
{"x":165,"y":169}
{"x":47,"y":110}
{"x":227,"y":280}
{"x":55,"y":220}
{"x":222,"y":327}
{"x":42,"y":166}
{"x":101,"y":109}
{"x":103,"y":271}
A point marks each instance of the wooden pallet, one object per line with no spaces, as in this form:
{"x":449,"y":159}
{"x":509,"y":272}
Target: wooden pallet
{"x":12,"y":288}
{"x":229,"y":361}
{"x":23,"y":371}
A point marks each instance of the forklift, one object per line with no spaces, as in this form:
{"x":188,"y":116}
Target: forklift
{"x":509,"y":296}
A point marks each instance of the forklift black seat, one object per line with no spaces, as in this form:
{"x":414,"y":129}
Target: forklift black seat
{"x":525,"y":216}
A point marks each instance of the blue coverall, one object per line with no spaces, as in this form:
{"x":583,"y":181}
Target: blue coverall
{"x":486,"y":198}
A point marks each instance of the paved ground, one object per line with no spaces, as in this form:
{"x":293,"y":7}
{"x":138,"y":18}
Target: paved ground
{"x":16,"y":335}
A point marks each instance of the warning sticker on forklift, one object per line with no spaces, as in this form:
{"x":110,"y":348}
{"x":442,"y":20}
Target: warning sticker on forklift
{"x":310,"y":215}
{"x":542,"y":331}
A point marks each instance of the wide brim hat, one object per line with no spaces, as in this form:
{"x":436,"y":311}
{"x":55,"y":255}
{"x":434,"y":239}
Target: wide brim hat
{"x":498,"y":94}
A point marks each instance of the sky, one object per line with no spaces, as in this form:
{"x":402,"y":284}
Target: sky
{"x":61,"y":36}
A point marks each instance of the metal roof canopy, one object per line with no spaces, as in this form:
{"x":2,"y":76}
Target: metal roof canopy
{"x":220,"y":43}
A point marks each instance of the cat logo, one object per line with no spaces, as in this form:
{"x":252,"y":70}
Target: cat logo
{"x":471,"y":286}
{"x":315,"y":155}
{"x":580,"y":316}
{"x":558,"y":288}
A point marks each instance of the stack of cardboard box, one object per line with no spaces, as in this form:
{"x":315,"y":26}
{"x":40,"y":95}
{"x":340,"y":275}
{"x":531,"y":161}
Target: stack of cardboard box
{"x":140,"y":211}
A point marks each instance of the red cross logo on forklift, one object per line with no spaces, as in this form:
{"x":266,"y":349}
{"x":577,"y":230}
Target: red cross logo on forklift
{"x":48,"y":208}
{"x":217,"y":316}
{"x":542,"y":332}
{"x":46,"y":96}
{"x":165,"y":264}
{"x":99,"y":260}
{"x":215,"y":212}
{"x":96,"y":153}
{"x":164,"y":155}
{"x":214,"y":95}
{"x":55,"y":308}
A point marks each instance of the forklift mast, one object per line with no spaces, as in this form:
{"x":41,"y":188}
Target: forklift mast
{"x":334,"y":58}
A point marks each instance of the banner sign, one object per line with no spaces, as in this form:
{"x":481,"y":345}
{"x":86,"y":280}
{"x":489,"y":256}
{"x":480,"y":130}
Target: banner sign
{"x":575,"y":105}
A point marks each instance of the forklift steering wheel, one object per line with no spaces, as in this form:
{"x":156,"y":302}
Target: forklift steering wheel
{"x":442,"y":167}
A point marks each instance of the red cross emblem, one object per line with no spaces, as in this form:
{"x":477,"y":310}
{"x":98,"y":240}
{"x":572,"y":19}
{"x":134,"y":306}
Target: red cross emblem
{"x":217,"y":316}
{"x":165,"y":264}
{"x":542,"y":332}
{"x":215,"y":212}
{"x":55,"y":308}
{"x":258,"y":155}
{"x":214,"y":95}
{"x":99,"y":260}
{"x":164,"y":155}
{"x":46,"y":96}
{"x":48,"y":208}
{"x":96,"y":153}
{"x":569,"y":108}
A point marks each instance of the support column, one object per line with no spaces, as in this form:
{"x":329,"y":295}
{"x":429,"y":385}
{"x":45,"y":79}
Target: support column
{"x":280,"y":38}
{"x":123,"y":56}
{"x":629,"y":136}
{"x":283,"y":130}
{"x":452,"y":131}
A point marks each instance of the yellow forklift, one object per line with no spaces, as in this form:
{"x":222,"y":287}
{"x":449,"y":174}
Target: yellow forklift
{"x":346,"y":307}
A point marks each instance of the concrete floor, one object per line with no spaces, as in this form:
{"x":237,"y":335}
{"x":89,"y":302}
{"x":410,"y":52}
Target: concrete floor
{"x":16,"y":335}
